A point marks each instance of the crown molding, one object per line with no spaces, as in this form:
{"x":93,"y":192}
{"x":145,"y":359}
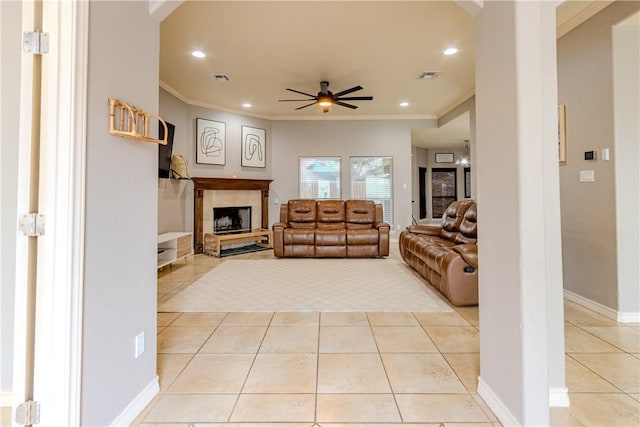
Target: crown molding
{"x":196,"y":103}
{"x":593,"y":8}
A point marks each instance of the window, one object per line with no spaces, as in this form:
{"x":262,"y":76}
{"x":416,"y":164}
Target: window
{"x":319,"y":177}
{"x":372,"y":179}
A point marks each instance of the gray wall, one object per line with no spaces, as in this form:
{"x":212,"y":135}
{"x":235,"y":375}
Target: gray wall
{"x":585,"y":86}
{"x":286,"y":142}
{"x":344,"y":138}
{"x":425,"y":158}
{"x":626,"y":66}
{"x":175,"y":197}
{"x":121,"y":213}
{"x":10,"y":42}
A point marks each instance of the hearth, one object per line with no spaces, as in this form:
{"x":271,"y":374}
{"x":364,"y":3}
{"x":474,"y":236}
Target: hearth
{"x":231,"y":219}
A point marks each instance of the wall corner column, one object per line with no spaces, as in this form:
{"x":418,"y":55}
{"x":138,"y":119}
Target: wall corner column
{"x":516,"y":128}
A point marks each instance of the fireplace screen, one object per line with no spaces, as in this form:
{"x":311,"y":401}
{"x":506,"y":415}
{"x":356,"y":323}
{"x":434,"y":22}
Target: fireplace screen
{"x":232,"y":219}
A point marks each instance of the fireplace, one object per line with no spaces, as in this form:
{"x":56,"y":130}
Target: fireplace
{"x":231,"y":219}
{"x":204,"y":188}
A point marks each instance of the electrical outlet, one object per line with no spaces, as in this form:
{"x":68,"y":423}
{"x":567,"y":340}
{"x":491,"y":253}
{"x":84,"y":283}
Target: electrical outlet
{"x":139,"y":344}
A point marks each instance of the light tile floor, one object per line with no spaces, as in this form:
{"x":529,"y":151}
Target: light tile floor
{"x":364,"y":369}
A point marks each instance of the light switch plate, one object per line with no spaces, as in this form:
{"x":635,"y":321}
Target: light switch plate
{"x":587,"y":176}
{"x":139,"y":345}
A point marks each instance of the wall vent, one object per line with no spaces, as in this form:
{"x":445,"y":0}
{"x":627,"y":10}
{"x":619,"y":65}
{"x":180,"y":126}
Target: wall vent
{"x":430,"y":75}
{"x":220,"y":78}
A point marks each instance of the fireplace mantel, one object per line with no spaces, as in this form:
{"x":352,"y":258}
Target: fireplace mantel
{"x":200,"y":185}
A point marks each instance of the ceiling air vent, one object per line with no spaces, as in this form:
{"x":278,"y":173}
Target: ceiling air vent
{"x":220,"y":78}
{"x":430,"y":75}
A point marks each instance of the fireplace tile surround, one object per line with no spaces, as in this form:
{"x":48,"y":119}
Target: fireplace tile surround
{"x":219,"y":192}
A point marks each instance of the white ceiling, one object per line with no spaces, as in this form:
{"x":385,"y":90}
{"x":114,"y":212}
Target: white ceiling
{"x":383,"y":46}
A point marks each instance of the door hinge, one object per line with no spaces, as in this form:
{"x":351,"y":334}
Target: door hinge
{"x":28,"y":413}
{"x":35,"y":42}
{"x":32,"y":225}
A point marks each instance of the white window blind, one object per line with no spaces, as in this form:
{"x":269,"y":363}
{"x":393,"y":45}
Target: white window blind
{"x":372,"y":179}
{"x":319,"y":177}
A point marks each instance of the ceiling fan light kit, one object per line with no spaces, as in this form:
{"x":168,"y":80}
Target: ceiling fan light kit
{"x":325,"y":98}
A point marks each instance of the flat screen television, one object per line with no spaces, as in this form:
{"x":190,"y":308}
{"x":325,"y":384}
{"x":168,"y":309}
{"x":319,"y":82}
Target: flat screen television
{"x":164,"y":151}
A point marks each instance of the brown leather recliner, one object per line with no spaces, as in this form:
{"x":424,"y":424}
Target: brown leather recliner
{"x":446,"y":255}
{"x":331,"y":228}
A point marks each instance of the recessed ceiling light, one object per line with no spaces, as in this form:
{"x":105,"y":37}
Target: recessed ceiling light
{"x":198,"y":54}
{"x":404,"y":104}
{"x":451,"y":51}
{"x":247,"y":105}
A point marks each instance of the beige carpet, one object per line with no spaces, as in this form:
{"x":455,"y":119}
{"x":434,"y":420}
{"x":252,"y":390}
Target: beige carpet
{"x":308,"y":285}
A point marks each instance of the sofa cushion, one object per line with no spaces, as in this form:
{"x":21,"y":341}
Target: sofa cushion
{"x":330,"y":214}
{"x":302,"y":213}
{"x":362,"y":237}
{"x":294,"y":236}
{"x":331,"y":237}
{"x":452,"y":218}
{"x":468,"y":227}
{"x":360,"y":214}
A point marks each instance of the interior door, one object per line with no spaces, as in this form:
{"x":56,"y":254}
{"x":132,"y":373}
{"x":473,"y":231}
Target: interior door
{"x":444,"y":188}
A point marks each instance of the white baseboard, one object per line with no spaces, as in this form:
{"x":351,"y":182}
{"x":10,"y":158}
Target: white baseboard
{"x":136,"y":406}
{"x":628,"y":317}
{"x":559,"y":397}
{"x":622,"y":317}
{"x":496,"y":405}
{"x":6,"y":399}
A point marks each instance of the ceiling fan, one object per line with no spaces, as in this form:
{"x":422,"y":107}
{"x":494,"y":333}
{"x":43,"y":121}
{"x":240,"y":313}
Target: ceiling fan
{"x":325,"y":98}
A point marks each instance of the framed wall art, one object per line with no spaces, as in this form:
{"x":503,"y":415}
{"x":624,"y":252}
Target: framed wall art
{"x":444,"y":157}
{"x":211,"y":145}
{"x":254,"y":147}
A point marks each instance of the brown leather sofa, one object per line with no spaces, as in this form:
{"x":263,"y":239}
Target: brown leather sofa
{"x":446,"y":255}
{"x":330,"y":228}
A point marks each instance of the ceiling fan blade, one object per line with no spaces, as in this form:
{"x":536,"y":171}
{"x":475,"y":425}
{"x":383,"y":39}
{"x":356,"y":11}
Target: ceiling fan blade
{"x":344,"y":104}
{"x":305,"y":106}
{"x":355,"y":98}
{"x":344,"y":92}
{"x":289,"y":100}
{"x":301,"y":93}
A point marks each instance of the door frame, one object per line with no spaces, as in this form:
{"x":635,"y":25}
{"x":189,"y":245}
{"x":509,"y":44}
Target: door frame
{"x":60,"y":252}
{"x":455,"y":177}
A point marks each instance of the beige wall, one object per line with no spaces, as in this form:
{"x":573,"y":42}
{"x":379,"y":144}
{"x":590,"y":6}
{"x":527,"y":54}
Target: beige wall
{"x":585,"y":86}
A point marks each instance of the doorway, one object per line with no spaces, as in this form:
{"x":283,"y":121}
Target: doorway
{"x":422,"y":189}
{"x":444,"y":188}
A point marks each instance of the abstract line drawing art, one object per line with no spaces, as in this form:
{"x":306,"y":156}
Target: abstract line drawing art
{"x":254,"y":147}
{"x":210,"y":142}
